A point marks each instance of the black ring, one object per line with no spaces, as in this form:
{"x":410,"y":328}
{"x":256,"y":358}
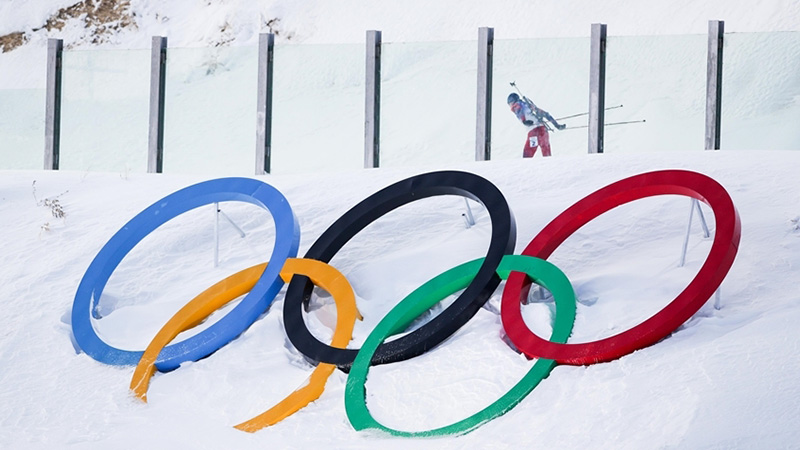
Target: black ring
{"x":441,"y":327}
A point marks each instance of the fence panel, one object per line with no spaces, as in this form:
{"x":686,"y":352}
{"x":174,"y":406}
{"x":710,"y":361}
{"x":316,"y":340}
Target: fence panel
{"x":660,"y":79}
{"x":21,"y":128}
{"x":428,"y":95}
{"x":105,"y":96}
{"x":318,"y":108}
{"x":210,"y":110}
{"x":761,"y":91}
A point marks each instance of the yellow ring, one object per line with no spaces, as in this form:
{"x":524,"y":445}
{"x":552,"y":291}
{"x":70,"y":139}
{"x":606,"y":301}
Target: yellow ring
{"x":236,"y":285}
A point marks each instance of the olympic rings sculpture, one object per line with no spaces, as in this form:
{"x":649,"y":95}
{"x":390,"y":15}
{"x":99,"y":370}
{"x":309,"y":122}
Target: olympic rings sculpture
{"x":260,"y":285}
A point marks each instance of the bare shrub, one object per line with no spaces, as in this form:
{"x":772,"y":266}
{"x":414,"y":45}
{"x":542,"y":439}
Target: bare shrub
{"x":56,"y":208}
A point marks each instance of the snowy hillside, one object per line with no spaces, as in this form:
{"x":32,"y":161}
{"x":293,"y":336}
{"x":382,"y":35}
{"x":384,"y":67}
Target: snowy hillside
{"x":129,"y":24}
{"x":205,"y":23}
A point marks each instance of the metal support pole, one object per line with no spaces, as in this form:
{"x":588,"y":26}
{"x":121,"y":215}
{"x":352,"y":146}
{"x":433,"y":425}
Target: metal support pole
{"x":158,"y":81}
{"x":216,"y":234}
{"x":706,"y":233}
{"x":373,"y":101}
{"x":52,"y":126}
{"x":597,"y":87}
{"x":469,"y":219}
{"x":217,"y":213}
{"x":483,"y":135}
{"x":716,"y":33}
{"x":242,"y":234}
{"x":266,"y":45}
{"x":695,"y":204}
{"x":686,"y":239}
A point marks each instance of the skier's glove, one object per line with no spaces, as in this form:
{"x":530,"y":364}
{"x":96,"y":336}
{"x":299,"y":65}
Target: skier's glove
{"x":527,"y":122}
{"x":561,"y":127}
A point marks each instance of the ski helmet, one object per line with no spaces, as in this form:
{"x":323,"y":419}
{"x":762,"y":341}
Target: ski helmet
{"x":512,"y":97}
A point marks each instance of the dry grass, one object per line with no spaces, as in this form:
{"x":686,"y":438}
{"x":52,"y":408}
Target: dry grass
{"x":11,"y":41}
{"x":103,"y":17}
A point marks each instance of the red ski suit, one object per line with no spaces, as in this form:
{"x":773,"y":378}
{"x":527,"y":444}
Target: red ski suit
{"x":533,"y":117}
{"x":537,"y":137}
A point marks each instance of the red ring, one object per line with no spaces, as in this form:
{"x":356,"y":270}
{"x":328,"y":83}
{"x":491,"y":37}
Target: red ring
{"x":701,"y":288}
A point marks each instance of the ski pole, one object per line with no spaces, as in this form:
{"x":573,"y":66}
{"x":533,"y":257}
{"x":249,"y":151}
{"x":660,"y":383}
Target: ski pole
{"x":526,"y":99}
{"x":583,"y":114}
{"x":609,"y":124}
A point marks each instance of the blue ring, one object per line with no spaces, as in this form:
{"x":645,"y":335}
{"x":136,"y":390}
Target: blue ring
{"x":287,"y":239}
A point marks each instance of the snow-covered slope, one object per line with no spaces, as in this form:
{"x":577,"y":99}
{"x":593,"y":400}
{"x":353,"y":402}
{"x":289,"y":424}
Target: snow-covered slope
{"x":201,"y":23}
{"x":726,"y":379}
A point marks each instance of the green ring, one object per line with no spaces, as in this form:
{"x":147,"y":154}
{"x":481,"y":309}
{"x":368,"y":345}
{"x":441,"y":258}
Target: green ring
{"x":432,"y":292}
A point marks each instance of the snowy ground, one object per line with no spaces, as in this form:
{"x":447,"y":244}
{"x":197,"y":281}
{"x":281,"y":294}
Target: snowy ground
{"x":727,"y":378}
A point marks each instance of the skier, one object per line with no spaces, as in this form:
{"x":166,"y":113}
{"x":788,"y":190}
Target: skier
{"x":534,"y":118}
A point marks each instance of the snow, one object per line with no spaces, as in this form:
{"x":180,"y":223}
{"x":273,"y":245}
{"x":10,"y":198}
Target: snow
{"x":727,"y":378}
{"x":196,"y":23}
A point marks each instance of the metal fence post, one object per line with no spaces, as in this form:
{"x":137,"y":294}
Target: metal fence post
{"x":373,"y":101}
{"x":716,"y":32}
{"x":597,"y":87}
{"x":483,"y":134}
{"x":52,"y":126}
{"x":158,"y":79}
{"x":266,"y":46}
